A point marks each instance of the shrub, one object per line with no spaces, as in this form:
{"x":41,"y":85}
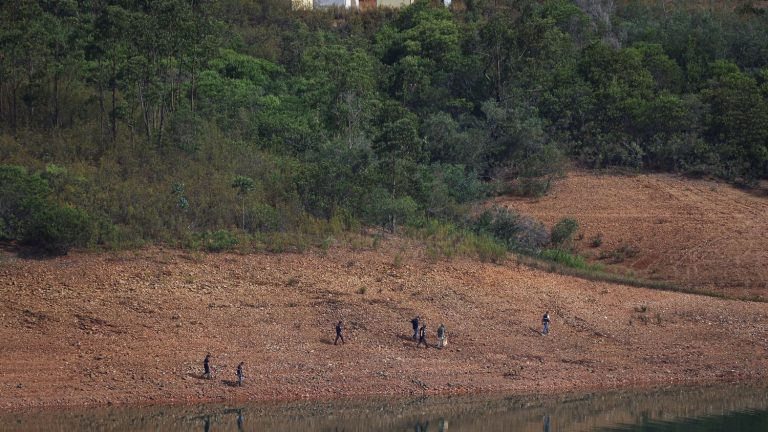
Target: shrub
{"x":564,"y":258}
{"x":535,"y":187}
{"x":54,"y":229}
{"x":280,"y":242}
{"x":263,"y":217}
{"x":376,"y":242}
{"x":619,"y":254}
{"x":19,"y":193}
{"x":516,"y":232}
{"x":398,"y":260}
{"x":386,"y":211}
{"x":218,"y":241}
{"x":29,"y":214}
{"x":443,"y":239}
{"x":489,"y":250}
{"x":563,"y":231}
{"x":596,"y":241}
{"x":532,"y":236}
{"x":326,"y":244}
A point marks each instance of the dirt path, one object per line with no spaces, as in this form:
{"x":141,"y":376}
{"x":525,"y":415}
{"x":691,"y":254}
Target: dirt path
{"x":133,"y":327}
{"x":697,"y":233}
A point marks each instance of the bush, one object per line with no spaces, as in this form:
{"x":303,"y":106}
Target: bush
{"x":388,"y":212}
{"x":398,"y":260}
{"x":563,"y":231}
{"x":54,"y":229}
{"x":281,"y":242}
{"x":532,"y":235}
{"x":218,"y":241}
{"x":619,"y":254}
{"x":596,"y":241}
{"x":19,"y":193}
{"x":535,"y":187}
{"x":489,"y":250}
{"x":29,"y":214}
{"x":566,"y":259}
{"x":517,"y":232}
{"x":262,"y":217}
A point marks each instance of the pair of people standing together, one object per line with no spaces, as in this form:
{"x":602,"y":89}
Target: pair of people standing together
{"x":421,"y":333}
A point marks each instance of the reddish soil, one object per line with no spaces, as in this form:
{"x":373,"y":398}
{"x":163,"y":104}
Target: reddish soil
{"x":133,"y":327}
{"x":699,"y":234}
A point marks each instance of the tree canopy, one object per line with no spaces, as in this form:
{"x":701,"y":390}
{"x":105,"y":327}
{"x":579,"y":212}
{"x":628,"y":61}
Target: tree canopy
{"x":383,"y":117}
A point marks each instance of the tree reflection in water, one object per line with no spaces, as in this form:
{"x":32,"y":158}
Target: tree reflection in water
{"x":550,"y":413}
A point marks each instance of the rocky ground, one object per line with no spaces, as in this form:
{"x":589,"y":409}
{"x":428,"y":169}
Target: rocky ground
{"x":133,"y":327}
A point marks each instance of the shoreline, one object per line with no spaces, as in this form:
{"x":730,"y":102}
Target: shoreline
{"x":567,"y":395}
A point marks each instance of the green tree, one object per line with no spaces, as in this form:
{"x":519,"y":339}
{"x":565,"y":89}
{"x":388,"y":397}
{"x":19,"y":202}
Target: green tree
{"x":29,"y":214}
{"x":243,"y":185}
{"x":737,"y":123}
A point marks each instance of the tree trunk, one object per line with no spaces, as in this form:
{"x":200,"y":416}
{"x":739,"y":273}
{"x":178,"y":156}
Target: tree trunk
{"x":113,"y":112}
{"x":145,"y":114}
{"x":101,"y":107}
{"x":55,"y":119}
{"x":192,"y":91}
{"x":160,"y":126}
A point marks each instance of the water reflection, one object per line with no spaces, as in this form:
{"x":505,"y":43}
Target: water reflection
{"x":624,"y":411}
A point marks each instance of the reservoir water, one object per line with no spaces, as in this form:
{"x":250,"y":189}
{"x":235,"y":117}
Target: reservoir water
{"x":729,"y":408}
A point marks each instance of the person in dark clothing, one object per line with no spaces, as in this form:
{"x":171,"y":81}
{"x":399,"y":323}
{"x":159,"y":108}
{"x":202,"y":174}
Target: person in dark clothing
{"x":240,"y":375}
{"x":207,"y":366}
{"x":545,"y":322}
{"x":423,"y":336}
{"x":415,"y":324}
{"x":442,"y":339}
{"x":339,"y":328}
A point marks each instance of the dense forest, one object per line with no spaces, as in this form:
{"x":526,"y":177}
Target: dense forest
{"x":207,"y":122}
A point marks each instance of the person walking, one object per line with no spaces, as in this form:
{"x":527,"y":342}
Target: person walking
{"x":207,"y":366}
{"x":442,"y":338}
{"x":240,"y":375}
{"x":545,"y":320}
{"x":339,"y":329}
{"x":423,"y":336}
{"x":415,"y":324}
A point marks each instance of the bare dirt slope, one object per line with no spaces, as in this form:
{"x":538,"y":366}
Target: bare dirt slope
{"x":134,"y":327}
{"x":697,"y":233}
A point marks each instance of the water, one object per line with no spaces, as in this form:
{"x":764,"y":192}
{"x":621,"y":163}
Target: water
{"x":737,"y":409}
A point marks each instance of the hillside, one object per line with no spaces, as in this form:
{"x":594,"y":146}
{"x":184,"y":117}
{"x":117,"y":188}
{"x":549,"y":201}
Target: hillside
{"x":133,"y":123}
{"x":696,"y":233}
{"x":133,"y":327}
